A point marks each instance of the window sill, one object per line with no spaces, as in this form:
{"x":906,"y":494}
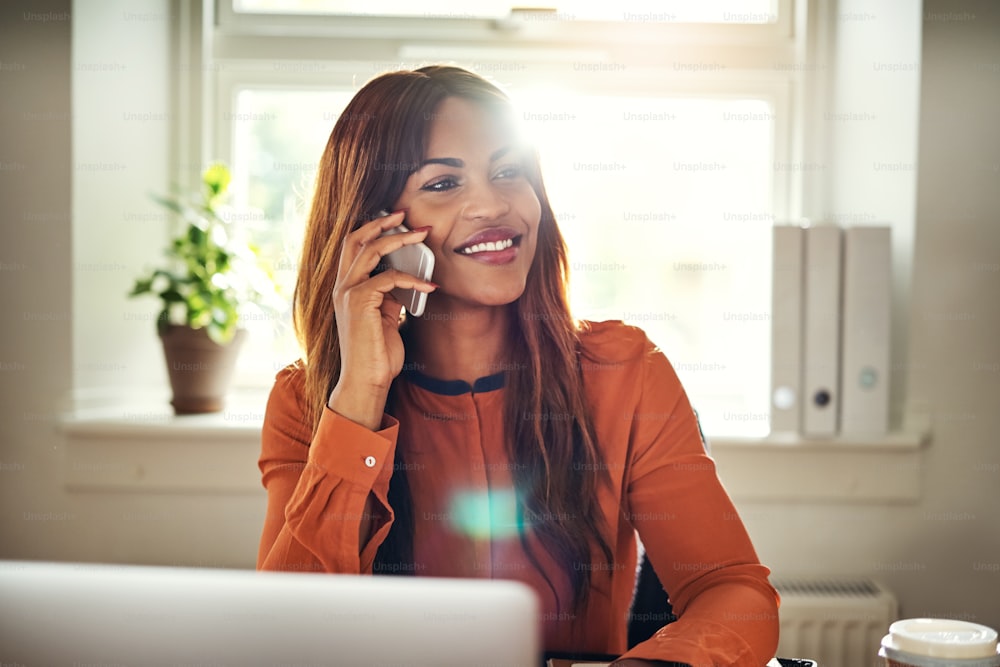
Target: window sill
{"x":147,"y":448}
{"x":152,"y":450}
{"x":880,"y":468}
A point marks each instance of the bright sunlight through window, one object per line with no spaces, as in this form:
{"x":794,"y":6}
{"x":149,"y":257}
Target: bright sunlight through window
{"x":665,"y":203}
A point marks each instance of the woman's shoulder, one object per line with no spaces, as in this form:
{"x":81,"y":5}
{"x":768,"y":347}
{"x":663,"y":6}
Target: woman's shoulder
{"x":285,"y":419}
{"x":615,"y":352}
{"x":289,"y":384}
{"x":292,"y":374}
{"x":613,"y":342}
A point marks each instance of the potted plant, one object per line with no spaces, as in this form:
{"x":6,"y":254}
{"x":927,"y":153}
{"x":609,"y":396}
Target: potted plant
{"x":213,"y":278}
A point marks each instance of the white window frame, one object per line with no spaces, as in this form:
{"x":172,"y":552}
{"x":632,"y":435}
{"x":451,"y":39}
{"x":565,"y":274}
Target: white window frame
{"x":519,"y":27}
{"x":230,"y":51}
{"x":278,"y":51}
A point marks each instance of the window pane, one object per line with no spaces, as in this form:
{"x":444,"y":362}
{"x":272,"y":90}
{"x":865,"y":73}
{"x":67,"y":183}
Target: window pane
{"x":666,"y":204}
{"x":628,"y":11}
{"x":278,"y":137}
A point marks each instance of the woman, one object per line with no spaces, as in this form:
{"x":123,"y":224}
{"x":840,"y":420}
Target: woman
{"x":494,"y":436}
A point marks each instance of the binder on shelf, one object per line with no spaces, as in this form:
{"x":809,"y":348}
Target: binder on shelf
{"x":866,"y":330}
{"x":821,"y":331}
{"x":786,"y":329}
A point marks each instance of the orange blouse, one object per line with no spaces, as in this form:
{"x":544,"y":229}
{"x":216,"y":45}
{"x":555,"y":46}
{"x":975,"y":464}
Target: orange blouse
{"x":452,"y":437}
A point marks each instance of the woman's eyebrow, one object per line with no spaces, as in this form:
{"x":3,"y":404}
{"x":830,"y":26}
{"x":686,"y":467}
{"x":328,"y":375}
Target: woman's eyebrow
{"x":497,"y":154}
{"x":459,"y":164}
{"x":446,"y":161}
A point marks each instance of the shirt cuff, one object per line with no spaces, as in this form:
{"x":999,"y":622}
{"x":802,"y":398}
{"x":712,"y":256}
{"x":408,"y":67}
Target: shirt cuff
{"x":352,"y":452}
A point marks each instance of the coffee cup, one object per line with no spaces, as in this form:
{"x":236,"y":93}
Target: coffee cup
{"x":939,"y":642}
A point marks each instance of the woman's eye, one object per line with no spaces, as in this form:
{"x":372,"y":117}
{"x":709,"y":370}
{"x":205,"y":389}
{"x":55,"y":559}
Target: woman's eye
{"x":441,"y":185}
{"x":510,"y":171}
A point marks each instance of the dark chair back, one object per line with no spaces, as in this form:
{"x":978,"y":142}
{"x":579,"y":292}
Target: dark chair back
{"x":651,"y":608}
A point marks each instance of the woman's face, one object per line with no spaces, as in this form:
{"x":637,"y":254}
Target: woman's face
{"x":472,"y":191}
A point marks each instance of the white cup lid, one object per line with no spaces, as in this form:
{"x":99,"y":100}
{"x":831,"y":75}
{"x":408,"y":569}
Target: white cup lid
{"x":942,"y":638}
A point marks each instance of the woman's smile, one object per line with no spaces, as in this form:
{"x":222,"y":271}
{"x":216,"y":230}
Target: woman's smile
{"x":495,"y":245}
{"x":472,"y":190}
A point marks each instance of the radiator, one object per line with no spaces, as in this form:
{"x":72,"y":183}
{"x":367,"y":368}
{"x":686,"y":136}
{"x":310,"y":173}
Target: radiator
{"x":837,"y":623}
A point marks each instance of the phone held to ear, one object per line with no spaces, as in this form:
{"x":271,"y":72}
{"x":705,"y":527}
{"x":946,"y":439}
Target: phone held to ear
{"x":415,"y":259}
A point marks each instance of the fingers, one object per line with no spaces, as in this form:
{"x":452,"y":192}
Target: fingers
{"x":371,"y":255}
{"x":363,"y":235}
{"x":390,"y":279}
{"x":366,"y":247}
{"x":372,"y":229}
{"x":391,"y":310}
{"x":376,"y":292}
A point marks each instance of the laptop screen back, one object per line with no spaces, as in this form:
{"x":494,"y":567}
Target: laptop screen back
{"x":80,"y":614}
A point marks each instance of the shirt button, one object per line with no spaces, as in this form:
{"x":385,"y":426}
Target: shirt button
{"x":370,"y":461}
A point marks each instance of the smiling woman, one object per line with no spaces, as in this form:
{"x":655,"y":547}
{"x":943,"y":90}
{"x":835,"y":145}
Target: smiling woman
{"x":473,"y":193}
{"x":495,"y":436}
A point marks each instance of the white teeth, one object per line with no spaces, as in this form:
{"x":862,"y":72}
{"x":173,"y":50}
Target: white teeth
{"x":489,"y":246}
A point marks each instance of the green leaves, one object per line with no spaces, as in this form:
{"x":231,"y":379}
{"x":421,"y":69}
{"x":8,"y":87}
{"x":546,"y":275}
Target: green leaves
{"x":141,"y":287}
{"x":216,"y":178}
{"x":213,"y":271}
{"x":195,"y":236}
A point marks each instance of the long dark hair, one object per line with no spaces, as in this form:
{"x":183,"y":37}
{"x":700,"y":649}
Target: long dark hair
{"x":377,"y":142}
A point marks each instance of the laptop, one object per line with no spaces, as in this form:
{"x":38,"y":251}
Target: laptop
{"x":83,"y":614}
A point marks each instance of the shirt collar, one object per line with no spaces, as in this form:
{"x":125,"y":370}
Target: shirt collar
{"x":454,"y":387}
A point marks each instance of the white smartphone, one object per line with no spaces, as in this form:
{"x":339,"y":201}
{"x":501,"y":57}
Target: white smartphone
{"x":415,"y":259}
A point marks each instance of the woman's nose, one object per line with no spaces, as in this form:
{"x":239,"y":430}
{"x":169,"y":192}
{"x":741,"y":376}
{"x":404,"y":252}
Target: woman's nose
{"x":484,"y":201}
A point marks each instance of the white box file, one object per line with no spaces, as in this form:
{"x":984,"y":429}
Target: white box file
{"x":821,"y":342}
{"x":866,"y":330}
{"x":786,"y":329}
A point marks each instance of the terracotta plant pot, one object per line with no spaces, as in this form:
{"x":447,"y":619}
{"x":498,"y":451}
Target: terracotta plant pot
{"x":199,"y":368}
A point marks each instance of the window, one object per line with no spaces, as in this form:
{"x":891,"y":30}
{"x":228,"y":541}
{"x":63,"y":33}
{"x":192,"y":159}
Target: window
{"x":707,"y":11}
{"x":666,"y":165}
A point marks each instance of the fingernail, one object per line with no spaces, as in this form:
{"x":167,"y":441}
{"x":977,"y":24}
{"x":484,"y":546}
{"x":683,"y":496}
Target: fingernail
{"x":425,"y":228}
{"x":402,"y":210}
{"x":434,"y":285}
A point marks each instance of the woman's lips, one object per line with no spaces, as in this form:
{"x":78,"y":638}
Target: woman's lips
{"x":497,"y":245}
{"x":486,"y":246}
{"x":487,"y":235}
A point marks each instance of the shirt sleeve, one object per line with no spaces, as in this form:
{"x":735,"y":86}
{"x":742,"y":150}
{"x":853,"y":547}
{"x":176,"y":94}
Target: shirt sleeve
{"x":727,"y":609}
{"x":318,"y":485}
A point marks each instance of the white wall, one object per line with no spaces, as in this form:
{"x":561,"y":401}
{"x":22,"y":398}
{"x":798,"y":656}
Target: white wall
{"x":955,"y":319}
{"x":941,"y":555}
{"x":70,"y":274}
{"x":36,"y":170}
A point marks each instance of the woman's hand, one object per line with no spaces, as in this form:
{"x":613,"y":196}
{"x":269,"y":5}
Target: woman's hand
{"x":371,"y":349}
